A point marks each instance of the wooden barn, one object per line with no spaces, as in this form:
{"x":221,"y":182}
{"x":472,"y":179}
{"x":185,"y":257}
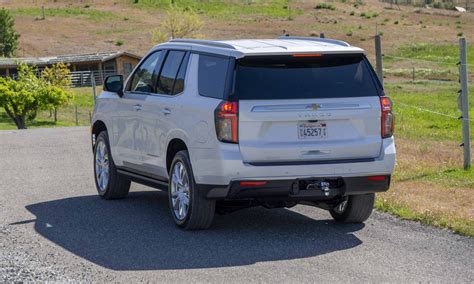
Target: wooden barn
{"x":83,"y":66}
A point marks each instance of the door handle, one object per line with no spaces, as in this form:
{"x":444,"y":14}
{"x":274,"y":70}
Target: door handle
{"x":166,"y":111}
{"x":137,"y":107}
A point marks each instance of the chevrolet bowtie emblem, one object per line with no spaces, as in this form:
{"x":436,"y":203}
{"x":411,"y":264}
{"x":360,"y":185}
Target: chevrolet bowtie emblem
{"x":314,"y":106}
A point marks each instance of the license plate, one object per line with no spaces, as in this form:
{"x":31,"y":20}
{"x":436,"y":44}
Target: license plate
{"x":312,"y":130}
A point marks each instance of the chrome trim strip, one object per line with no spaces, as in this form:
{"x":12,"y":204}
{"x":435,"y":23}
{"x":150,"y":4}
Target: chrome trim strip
{"x":311,"y":107}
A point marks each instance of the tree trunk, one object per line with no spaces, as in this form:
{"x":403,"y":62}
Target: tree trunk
{"x":55,"y":114}
{"x":20,"y":122}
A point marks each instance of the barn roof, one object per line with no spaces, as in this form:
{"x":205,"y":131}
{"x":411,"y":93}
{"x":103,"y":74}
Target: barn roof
{"x":75,"y":58}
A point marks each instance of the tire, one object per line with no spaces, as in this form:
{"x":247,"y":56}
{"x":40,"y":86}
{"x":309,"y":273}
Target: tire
{"x":357,"y":209}
{"x":108,"y":182}
{"x":198,"y":213}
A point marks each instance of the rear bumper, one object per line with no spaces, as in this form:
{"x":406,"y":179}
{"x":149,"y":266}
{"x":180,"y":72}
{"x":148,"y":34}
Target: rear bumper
{"x":224,"y":165}
{"x":299,"y":189}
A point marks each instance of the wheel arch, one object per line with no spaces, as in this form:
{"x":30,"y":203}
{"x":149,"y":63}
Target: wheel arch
{"x":174,"y":146}
{"x":97,"y":128}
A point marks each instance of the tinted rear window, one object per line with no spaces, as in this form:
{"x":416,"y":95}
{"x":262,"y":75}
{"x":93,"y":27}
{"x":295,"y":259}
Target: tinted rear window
{"x":288,"y":77}
{"x":212,"y":74}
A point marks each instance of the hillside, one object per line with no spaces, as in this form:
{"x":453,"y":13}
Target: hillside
{"x":103,"y":25}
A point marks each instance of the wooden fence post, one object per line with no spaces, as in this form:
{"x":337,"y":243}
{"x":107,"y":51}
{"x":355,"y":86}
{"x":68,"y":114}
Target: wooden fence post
{"x":77,"y":118}
{"x":378,"y":57}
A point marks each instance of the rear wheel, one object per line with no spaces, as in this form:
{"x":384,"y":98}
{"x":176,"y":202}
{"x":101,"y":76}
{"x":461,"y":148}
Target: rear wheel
{"x":356,"y":209}
{"x":109,"y":184}
{"x":189,"y":208}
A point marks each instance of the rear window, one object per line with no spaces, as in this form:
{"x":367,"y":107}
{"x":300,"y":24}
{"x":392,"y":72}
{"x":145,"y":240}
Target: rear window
{"x":289,"y":77}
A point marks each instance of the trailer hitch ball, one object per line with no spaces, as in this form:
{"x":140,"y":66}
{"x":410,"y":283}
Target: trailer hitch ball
{"x":323,"y":186}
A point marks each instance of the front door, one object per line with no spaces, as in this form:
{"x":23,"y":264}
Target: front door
{"x":130,"y":135}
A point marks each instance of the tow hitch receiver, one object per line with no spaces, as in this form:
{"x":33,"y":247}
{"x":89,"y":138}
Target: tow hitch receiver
{"x":322,"y":185}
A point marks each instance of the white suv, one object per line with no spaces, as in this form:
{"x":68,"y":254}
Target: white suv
{"x":225,"y":125}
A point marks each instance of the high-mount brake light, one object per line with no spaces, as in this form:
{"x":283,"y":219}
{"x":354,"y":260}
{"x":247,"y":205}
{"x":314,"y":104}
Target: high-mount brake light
{"x":387,"y":117}
{"x":226,"y":118}
{"x":307,"y":55}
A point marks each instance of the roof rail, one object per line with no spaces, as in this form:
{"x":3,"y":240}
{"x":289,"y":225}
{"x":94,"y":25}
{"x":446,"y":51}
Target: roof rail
{"x":203,"y":42}
{"x":318,"y":39}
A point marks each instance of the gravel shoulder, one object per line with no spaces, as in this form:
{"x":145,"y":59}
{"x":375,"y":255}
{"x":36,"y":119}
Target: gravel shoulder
{"x":54,"y":227}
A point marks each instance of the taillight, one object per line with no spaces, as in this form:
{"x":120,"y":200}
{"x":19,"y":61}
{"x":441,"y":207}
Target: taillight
{"x":227,"y":121}
{"x":387,"y":117}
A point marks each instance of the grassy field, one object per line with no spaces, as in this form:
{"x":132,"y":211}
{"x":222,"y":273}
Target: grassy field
{"x":79,"y":12}
{"x":429,"y":183}
{"x":228,"y":10}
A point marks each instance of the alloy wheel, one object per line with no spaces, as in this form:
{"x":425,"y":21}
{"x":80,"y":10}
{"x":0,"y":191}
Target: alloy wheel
{"x":180,"y":191}
{"x":102,"y":166}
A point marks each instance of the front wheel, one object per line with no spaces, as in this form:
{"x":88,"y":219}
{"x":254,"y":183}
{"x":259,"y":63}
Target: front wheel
{"x":109,"y":184}
{"x":356,"y":209}
{"x":189,"y":208}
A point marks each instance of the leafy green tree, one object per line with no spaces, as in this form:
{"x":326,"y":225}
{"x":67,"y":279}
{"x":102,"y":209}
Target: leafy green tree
{"x":24,"y":97}
{"x":8,"y":35}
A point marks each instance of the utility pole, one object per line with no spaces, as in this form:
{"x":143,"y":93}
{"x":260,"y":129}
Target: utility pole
{"x":378,"y":57}
{"x":464,"y":103}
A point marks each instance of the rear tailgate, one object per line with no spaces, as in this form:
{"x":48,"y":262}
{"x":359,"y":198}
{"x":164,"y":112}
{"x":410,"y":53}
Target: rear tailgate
{"x":273,"y":131}
{"x":325,"y":108}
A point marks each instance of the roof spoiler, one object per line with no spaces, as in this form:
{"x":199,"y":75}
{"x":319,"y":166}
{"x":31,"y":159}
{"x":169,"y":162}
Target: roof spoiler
{"x":318,"y":39}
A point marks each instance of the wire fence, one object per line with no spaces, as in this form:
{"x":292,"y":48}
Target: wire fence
{"x":426,"y":92}
{"x":413,"y":69}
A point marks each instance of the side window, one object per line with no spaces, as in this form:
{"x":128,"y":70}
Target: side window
{"x":212,"y":74}
{"x":169,"y":72}
{"x":179,"y":82}
{"x":144,"y":77}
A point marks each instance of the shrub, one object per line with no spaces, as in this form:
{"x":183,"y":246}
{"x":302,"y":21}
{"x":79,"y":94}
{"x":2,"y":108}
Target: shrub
{"x":325,"y":6}
{"x":178,"y":24}
{"x":460,"y":34}
{"x":349,"y":33}
{"x":352,"y":13}
{"x":396,"y":22}
{"x":119,"y":42}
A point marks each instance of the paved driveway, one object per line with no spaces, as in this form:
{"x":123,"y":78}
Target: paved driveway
{"x":54,"y":227}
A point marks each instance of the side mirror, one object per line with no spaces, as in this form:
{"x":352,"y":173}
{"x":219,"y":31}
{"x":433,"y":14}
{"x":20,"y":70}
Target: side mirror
{"x":114,"y":84}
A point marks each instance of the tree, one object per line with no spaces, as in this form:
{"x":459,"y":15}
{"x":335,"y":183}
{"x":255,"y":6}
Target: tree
{"x":8,"y":35}
{"x":22,"y":98}
{"x":178,"y":24}
{"x":57,"y":76}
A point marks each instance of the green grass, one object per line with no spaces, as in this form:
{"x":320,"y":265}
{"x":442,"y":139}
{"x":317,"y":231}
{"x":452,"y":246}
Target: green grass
{"x":414,"y":124}
{"x":229,"y":10}
{"x":458,"y":225}
{"x":449,"y":177}
{"x":88,"y":13}
{"x":444,"y":53}
{"x":66,"y":115}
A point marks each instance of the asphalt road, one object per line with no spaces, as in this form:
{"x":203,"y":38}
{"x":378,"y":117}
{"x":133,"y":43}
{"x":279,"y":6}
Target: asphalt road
{"x":54,"y":227}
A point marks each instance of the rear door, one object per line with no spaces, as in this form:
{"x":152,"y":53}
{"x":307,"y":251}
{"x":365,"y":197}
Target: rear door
{"x":307,"y":108}
{"x":161,"y":110}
